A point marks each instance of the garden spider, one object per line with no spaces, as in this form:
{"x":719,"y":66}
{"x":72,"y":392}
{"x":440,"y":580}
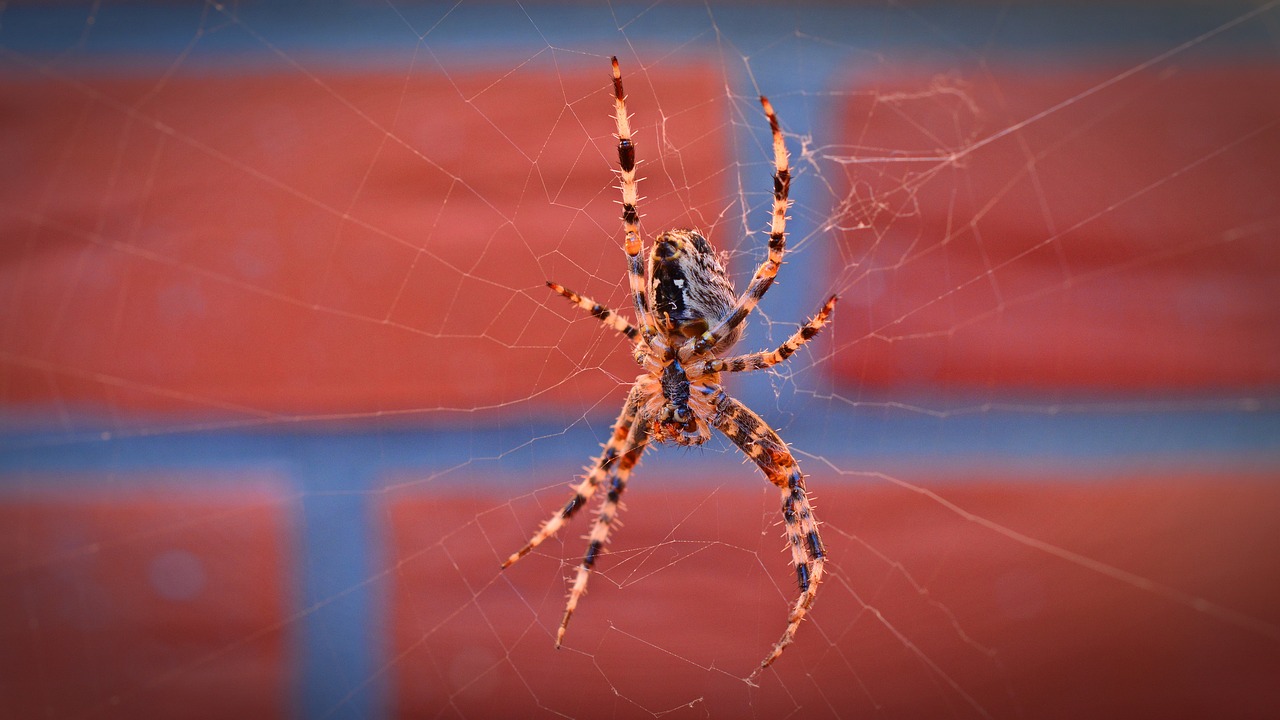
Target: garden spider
{"x":688,"y":315}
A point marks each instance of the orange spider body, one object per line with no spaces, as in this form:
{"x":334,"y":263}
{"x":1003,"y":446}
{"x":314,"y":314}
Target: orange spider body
{"x":687,"y":313}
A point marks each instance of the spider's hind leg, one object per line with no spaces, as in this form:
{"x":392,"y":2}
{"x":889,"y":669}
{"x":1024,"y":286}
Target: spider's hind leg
{"x":764,"y":276}
{"x":633,"y":245}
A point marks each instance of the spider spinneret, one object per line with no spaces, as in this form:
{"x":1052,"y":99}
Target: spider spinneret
{"x":688,"y":313}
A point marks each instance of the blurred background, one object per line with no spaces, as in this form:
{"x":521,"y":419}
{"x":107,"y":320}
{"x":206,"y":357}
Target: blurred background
{"x":282,"y":384}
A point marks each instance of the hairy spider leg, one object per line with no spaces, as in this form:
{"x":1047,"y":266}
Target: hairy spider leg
{"x":760,"y":443}
{"x":768,"y":269}
{"x":602,"y":469}
{"x":633,"y":245}
{"x":610,"y":318}
{"x":607,"y":519}
{"x":767,"y":359}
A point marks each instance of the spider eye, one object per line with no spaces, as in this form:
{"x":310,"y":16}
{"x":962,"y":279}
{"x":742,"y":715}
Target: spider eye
{"x":682,"y":416}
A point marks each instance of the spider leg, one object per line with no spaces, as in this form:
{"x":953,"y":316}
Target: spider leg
{"x":603,"y":468}
{"x":760,"y":443}
{"x":609,"y":317}
{"x":605,"y":520}
{"x":768,"y":270}
{"x":761,"y":360}
{"x":630,"y":215}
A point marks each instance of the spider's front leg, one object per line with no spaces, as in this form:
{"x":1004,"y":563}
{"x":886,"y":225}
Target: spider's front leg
{"x":600,"y":470}
{"x":760,"y":443}
{"x":599,"y":535}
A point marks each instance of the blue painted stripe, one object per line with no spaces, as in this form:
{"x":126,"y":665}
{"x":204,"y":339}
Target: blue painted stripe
{"x":354,"y":460}
{"x":359,"y":32}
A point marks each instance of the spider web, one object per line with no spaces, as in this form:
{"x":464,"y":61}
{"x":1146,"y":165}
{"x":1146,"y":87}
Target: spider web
{"x":283,"y":385}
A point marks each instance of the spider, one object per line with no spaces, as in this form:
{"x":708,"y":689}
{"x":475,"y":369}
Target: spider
{"x":688,"y":316}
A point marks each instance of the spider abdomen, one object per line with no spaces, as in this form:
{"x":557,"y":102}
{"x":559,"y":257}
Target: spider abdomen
{"x":689,"y":289}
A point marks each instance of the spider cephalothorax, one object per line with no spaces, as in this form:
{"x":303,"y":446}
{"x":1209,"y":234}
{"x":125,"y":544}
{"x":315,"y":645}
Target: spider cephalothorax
{"x":679,"y":408}
{"x":688,"y":313}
